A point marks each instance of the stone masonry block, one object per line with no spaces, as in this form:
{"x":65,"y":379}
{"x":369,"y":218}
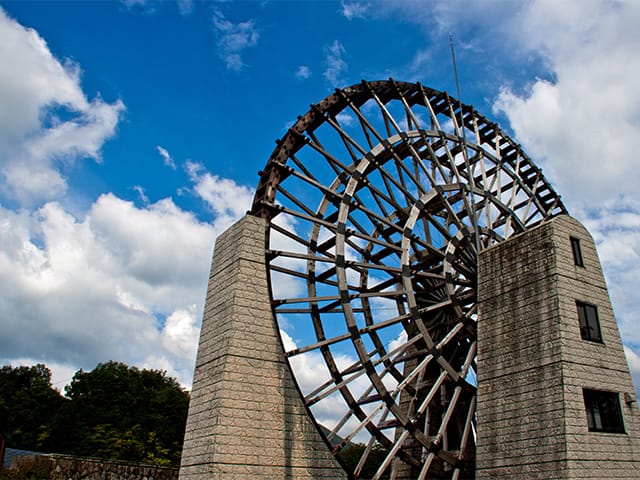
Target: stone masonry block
{"x":246,"y":420}
{"x":533,"y":364}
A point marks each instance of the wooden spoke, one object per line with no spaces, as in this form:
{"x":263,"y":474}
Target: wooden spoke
{"x":375,"y":227}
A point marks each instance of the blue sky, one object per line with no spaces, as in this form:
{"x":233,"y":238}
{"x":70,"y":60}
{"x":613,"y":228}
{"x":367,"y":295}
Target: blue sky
{"x":131,"y":134}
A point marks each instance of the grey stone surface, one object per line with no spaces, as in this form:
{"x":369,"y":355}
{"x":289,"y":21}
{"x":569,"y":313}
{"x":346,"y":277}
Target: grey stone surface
{"x":533,"y":364}
{"x":246,"y":419}
{"x":66,"y":467}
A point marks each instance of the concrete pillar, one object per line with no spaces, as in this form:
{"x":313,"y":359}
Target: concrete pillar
{"x":246,"y":419}
{"x":534,"y":365}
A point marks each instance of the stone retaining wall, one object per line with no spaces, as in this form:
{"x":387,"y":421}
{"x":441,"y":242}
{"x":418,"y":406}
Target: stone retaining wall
{"x":63,"y":467}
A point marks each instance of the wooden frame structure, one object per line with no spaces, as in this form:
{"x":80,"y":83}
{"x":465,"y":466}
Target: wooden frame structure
{"x":378,"y":201}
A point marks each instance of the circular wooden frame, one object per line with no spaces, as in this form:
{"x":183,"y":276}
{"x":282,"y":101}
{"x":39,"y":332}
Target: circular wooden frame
{"x":378,"y":201}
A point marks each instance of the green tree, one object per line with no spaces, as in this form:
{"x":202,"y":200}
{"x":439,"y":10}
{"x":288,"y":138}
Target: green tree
{"x":114,"y":411}
{"x":352,"y":452}
{"x":117,"y":411}
{"x":28,"y":406}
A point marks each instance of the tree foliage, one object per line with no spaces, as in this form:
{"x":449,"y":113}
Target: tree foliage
{"x":114,"y":411}
{"x":28,"y":405}
{"x":352,"y":452}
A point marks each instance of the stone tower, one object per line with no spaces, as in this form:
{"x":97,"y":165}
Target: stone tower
{"x":246,"y":420}
{"x":555,"y":398}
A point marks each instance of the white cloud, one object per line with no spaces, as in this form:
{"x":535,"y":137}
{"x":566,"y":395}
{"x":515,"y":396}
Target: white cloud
{"x":311,"y":371}
{"x":228,"y":200}
{"x":615,"y":227}
{"x":336,"y":66}
{"x":233,"y":39}
{"x":115,"y":282}
{"x":180,"y":332}
{"x":633,"y":359}
{"x":141,"y":194}
{"x":397,"y":342}
{"x":303,"y":72}
{"x":420,"y":62}
{"x":351,"y":10}
{"x":156,"y":244}
{"x":166,"y":157}
{"x":185,"y":6}
{"x":346,"y":119}
{"x":580,"y":125}
{"x":35,"y":88}
{"x":77,"y":291}
{"x":310,"y":368}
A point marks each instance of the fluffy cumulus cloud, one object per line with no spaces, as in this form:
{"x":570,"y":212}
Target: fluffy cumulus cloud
{"x":180,"y":332}
{"x":615,"y":227}
{"x":115,"y":281}
{"x":580,"y":125}
{"x":46,"y":120}
{"x":120,"y":282}
{"x":224,"y":197}
{"x":578,"y":120}
{"x":233,"y":39}
{"x":336,"y":65}
{"x":77,"y":291}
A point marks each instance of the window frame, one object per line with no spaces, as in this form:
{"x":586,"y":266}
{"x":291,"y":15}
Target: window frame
{"x":590,"y":329}
{"x":603,"y":410}
{"x":576,"y":250}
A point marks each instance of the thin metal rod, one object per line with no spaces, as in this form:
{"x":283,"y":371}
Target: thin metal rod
{"x":464,"y":150}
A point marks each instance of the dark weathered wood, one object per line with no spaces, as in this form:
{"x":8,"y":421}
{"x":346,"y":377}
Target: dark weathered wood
{"x":404,"y":196}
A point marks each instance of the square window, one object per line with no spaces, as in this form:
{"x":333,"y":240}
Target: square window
{"x":577,"y":252}
{"x":589,"y":322}
{"x":603,"y":411}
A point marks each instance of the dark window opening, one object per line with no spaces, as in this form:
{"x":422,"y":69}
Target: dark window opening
{"x":577,"y":252}
{"x":603,"y":411}
{"x":589,"y":322}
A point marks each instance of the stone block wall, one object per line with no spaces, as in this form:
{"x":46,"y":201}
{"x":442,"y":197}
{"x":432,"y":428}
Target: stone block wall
{"x":66,"y":467}
{"x":533,"y":364}
{"x":246,"y":419}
